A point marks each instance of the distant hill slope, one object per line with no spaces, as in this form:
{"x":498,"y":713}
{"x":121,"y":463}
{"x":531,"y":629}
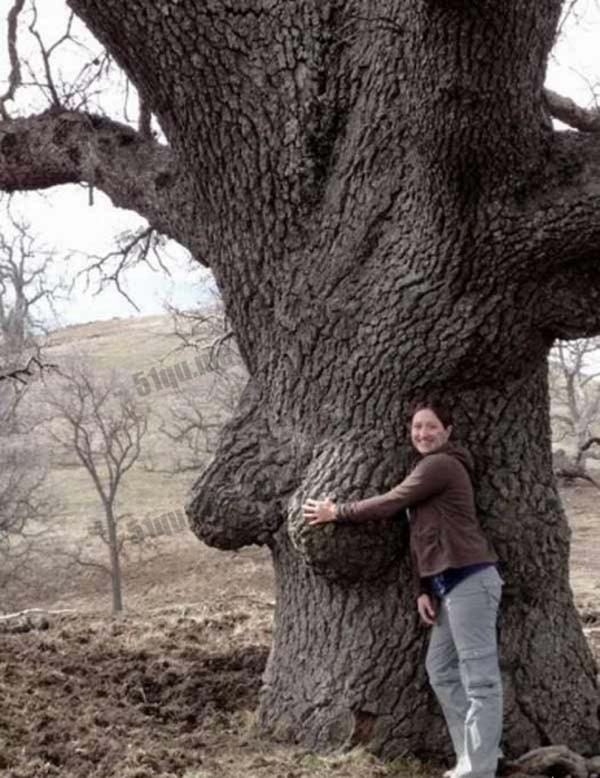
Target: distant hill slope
{"x":134,"y":343}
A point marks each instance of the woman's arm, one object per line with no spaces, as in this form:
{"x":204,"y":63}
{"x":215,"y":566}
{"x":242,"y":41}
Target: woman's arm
{"x":429,"y":477}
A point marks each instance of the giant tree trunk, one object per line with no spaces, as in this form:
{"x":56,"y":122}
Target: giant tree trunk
{"x":347,"y":661}
{"x":389,"y":215}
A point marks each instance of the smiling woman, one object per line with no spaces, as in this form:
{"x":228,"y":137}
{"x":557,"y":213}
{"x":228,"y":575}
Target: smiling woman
{"x":456,"y":584}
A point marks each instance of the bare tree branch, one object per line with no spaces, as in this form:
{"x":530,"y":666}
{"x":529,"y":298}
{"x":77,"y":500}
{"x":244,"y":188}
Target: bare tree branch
{"x":18,"y":374}
{"x":571,"y":471}
{"x":133,"y":249}
{"x":14,"y":78}
{"x":567,"y":13}
{"x":568,"y":112}
{"x":595,"y":441}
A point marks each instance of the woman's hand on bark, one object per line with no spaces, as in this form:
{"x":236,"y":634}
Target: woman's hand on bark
{"x":426,"y":609}
{"x":319,"y":511}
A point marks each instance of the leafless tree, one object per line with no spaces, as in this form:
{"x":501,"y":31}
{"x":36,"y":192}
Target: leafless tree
{"x":575,"y":394}
{"x":199,"y":409}
{"x":25,"y":505}
{"x":25,"y":502}
{"x":25,"y":284}
{"x":100,"y":421}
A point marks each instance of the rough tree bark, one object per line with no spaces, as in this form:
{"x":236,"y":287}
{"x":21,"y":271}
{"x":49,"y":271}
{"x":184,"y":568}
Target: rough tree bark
{"x":388,"y":212}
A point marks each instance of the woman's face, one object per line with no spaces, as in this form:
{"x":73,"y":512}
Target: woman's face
{"x":427,"y":432}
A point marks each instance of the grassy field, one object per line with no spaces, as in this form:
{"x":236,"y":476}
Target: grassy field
{"x":170,"y":687}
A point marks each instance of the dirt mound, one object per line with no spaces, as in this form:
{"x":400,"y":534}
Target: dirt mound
{"x":134,"y":698}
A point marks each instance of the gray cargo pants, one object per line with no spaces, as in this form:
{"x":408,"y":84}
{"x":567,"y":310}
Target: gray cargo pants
{"x":462,"y":664}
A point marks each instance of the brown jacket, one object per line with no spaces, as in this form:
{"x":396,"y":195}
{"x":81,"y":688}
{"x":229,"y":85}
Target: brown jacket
{"x":444,"y":528}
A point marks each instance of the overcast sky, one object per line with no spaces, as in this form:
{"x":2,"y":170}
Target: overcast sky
{"x":64,"y":221}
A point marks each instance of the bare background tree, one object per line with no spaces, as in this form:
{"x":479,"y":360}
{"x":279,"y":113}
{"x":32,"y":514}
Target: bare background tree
{"x":575,"y":392}
{"x":26,"y":288}
{"x":99,"y":421}
{"x":27,"y":293}
{"x":197,"y":413}
{"x":25,"y":503}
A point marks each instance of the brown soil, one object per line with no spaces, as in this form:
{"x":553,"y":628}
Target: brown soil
{"x":169,"y":688}
{"x":133,"y":697}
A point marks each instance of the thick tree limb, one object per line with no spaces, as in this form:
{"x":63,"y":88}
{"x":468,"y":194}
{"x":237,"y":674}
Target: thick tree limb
{"x":567,"y":111}
{"x":571,"y":301}
{"x":562,"y":221}
{"x":136,"y":172}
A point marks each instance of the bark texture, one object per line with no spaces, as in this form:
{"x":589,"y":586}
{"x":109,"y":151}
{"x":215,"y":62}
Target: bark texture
{"x":389,"y":215}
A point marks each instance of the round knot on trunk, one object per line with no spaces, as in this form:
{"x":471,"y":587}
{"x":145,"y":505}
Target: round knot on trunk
{"x":351,"y":469}
{"x":241,"y":497}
